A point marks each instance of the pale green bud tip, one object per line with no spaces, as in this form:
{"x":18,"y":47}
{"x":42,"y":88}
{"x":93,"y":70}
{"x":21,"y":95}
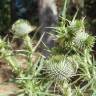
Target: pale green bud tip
{"x":80,"y":38}
{"x":22,"y":27}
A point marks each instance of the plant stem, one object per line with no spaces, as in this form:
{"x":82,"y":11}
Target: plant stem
{"x":28,"y":42}
{"x":13,"y":62}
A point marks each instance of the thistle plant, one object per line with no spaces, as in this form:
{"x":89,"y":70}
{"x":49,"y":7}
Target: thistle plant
{"x":61,"y":67}
{"x":21,"y":28}
{"x":72,"y":36}
{"x":83,"y":40}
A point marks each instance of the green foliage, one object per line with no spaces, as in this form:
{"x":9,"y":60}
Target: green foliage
{"x":72,"y":36}
{"x":4,"y":14}
{"x":31,"y":81}
{"x":7,"y":54}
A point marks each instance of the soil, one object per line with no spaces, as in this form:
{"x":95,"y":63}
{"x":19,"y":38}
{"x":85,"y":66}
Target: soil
{"x":5,"y":75}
